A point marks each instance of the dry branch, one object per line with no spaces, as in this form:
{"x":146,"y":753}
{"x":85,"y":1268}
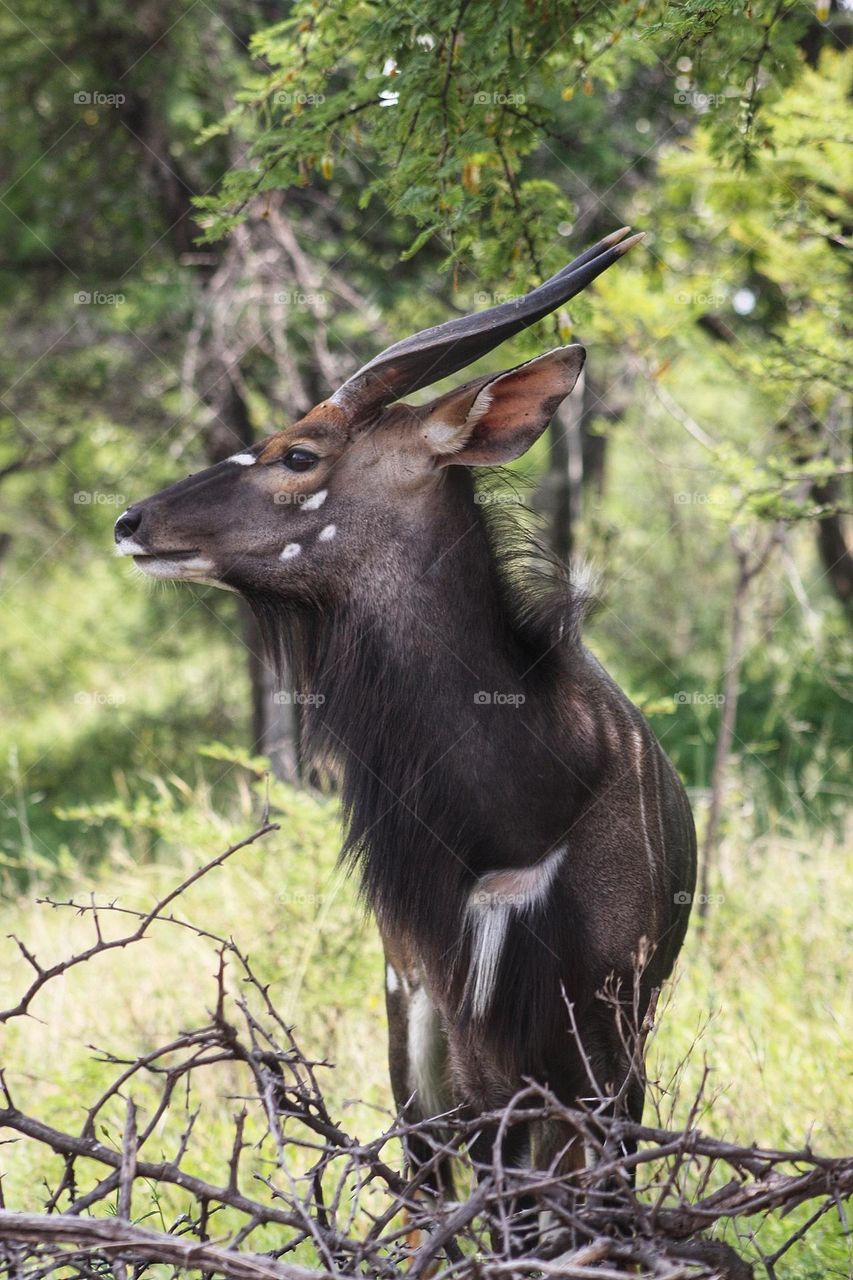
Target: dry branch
{"x":354,"y":1206}
{"x":110,"y":1237}
{"x":100,"y":946}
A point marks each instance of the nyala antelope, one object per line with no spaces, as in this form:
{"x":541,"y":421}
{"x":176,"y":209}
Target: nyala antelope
{"x":517,"y":829}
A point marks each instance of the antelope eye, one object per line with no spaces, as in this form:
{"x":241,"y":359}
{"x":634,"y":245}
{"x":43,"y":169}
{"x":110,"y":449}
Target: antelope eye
{"x":299,"y":459}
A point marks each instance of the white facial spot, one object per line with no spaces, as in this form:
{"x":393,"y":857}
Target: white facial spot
{"x":291,"y":551}
{"x":392,"y":982}
{"x":326,"y":535}
{"x":243,"y":459}
{"x":316,"y":500}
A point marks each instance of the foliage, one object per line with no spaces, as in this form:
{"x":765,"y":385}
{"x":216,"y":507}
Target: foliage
{"x":441,"y":110}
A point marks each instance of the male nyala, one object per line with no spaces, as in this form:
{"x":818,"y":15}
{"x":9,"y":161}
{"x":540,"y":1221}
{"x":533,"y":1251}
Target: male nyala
{"x":517,"y":829}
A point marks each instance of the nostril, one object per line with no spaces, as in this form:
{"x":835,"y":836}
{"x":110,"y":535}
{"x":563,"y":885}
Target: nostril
{"x":127,"y":524}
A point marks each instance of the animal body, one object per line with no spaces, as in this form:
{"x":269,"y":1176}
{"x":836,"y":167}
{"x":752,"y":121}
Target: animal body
{"x":517,"y":830}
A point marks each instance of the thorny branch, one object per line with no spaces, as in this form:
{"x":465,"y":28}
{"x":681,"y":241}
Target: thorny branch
{"x":294,"y":1178}
{"x":100,"y":946}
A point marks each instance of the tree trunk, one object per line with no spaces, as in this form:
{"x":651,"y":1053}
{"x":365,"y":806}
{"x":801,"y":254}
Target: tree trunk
{"x":746,"y":571}
{"x":725,"y":736}
{"x":564,"y":478}
{"x":274,"y":723}
{"x":834,"y":552}
{"x":275,"y":728}
{"x":275,"y":719}
{"x":577,"y":457}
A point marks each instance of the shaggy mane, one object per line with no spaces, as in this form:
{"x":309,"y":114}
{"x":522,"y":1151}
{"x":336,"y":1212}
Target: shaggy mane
{"x":546,"y":600}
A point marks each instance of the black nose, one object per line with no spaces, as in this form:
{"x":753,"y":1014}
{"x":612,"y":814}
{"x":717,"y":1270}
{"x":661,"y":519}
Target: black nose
{"x":127,"y":525}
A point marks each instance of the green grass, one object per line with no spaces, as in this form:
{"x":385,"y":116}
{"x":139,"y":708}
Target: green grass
{"x":764,"y":998}
{"x":765,"y":1001}
{"x":103,"y":686}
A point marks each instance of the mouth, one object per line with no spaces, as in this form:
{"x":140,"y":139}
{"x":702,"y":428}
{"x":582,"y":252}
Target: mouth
{"x":173,"y":562}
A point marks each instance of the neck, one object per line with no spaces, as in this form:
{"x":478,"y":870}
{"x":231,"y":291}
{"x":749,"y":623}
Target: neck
{"x":444,"y":712}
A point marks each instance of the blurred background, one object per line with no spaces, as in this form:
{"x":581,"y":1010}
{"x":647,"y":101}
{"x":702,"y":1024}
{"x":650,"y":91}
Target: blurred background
{"x":210,"y":215}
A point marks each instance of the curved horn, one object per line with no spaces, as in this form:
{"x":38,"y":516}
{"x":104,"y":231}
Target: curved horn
{"x":435,"y":353}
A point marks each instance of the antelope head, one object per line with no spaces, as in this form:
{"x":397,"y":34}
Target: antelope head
{"x":310,"y":508}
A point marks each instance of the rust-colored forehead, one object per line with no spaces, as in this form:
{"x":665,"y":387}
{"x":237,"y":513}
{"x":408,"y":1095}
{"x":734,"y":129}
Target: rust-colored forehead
{"x":325,"y":425}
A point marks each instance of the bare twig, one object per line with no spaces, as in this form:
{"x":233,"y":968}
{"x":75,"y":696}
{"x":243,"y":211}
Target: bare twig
{"x":103,"y":1236}
{"x":99,"y":947}
{"x":643,"y":1206}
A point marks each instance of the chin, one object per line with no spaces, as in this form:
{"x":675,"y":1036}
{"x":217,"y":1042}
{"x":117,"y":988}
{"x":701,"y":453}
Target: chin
{"x":192,"y":568}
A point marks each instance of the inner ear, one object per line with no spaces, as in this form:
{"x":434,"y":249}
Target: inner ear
{"x":497,"y":418}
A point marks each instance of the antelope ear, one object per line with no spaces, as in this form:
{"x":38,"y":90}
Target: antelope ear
{"x":496,"y":419}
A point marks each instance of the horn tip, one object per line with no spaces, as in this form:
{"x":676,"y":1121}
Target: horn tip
{"x":623,"y":248}
{"x":614,"y":237}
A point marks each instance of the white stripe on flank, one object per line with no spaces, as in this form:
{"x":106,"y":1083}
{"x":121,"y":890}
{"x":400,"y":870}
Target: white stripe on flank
{"x":656,"y":771}
{"x":639,"y":752}
{"x":243,"y":459}
{"x":491,"y":904}
{"x":426,"y":1051}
